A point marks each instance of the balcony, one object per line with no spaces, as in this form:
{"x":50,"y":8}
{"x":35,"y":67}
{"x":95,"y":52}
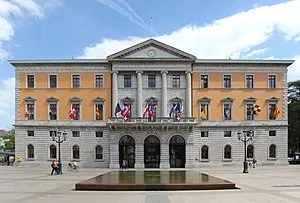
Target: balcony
{"x":163,"y":122}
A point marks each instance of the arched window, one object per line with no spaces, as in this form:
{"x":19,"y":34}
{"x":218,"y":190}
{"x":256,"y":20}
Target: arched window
{"x":30,"y":151}
{"x":76,"y":152}
{"x":52,"y":152}
{"x":204,"y":152}
{"x":250,"y":152}
{"x":272,"y":151}
{"x":99,"y":152}
{"x":227,"y":152}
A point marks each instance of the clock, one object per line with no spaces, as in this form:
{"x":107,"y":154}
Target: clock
{"x":151,"y":53}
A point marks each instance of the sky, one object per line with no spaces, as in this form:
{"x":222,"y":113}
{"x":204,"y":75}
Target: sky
{"x":215,"y":29}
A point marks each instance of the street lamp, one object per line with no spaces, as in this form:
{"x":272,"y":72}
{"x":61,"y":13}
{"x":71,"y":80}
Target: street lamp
{"x":248,"y":135}
{"x":59,"y":139}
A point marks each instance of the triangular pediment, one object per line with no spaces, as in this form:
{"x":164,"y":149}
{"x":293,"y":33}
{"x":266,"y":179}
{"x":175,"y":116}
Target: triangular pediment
{"x":151,"y":49}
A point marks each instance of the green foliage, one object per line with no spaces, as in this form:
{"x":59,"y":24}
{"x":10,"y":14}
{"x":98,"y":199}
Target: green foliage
{"x":9,"y":141}
{"x":294,"y":116}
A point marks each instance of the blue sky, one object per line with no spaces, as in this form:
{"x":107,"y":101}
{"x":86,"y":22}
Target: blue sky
{"x":239,"y":29}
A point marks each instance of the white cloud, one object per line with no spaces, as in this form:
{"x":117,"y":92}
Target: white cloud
{"x":7,"y":102}
{"x":31,"y":6}
{"x":294,"y":69}
{"x":236,"y":36}
{"x":122,"y":7}
{"x":255,"y":52}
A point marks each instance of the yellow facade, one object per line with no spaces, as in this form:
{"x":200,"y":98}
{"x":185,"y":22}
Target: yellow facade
{"x":238,"y":92}
{"x":87,"y":93}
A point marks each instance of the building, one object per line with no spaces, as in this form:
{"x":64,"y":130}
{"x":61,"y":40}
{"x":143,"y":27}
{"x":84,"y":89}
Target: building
{"x":196,"y":108}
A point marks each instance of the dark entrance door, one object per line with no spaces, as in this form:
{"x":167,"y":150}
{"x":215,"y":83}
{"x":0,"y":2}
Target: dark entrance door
{"x":127,"y":151}
{"x":177,"y":152}
{"x":152,"y":152}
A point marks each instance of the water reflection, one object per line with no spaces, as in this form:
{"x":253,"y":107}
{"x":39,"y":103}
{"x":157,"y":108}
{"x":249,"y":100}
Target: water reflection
{"x":155,"y":177}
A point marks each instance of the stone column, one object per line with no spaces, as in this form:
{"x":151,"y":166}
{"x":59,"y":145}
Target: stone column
{"x":139,"y":155}
{"x":114,"y":91}
{"x":164,"y":155}
{"x":188,"y":95}
{"x":139,"y":94}
{"x":164,"y":96}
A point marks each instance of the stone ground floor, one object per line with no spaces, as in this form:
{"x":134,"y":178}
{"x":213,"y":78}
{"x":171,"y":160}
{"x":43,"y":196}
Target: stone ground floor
{"x":262,"y":184}
{"x":181,"y":146}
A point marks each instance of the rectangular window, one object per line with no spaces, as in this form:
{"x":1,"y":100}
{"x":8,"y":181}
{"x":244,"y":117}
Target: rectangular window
{"x":30,"y":133}
{"x":30,"y":81}
{"x":127,"y":80}
{"x":272,"y":81}
{"x":176,"y":81}
{"x":53,"y":111}
{"x":76,"y":81}
{"x":99,"y":133}
{"x":272,"y":133}
{"x":204,"y":133}
{"x":227,"y":133}
{"x":53,"y":81}
{"x":52,"y":133}
{"x":249,"y":81}
{"x":272,"y":108}
{"x":30,"y":110}
{"x":76,"y":133}
{"x":227,"y":111}
{"x":77,"y":109}
{"x":204,"y":111}
{"x":227,"y":81}
{"x":99,"y":111}
{"x":151,"y":81}
{"x":250,"y":115}
{"x":98,"y":81}
{"x":204,"y":81}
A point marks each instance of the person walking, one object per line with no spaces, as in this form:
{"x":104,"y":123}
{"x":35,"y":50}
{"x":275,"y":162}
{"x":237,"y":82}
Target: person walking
{"x":54,"y":167}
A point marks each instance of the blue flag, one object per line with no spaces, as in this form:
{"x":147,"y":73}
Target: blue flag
{"x":117,"y":109}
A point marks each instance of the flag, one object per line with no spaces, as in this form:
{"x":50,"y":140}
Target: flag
{"x":276,"y":112}
{"x":227,"y":114}
{"x":203,"y":114}
{"x":152,"y":111}
{"x":26,"y":114}
{"x":117,"y":109}
{"x":180,"y":109}
{"x":72,"y":112}
{"x":256,"y":109}
{"x":126,"y":111}
{"x":98,"y":116}
{"x":146,"y":110}
{"x":174,"y":107}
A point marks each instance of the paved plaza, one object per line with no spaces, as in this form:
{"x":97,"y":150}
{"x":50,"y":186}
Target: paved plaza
{"x":262,"y":184}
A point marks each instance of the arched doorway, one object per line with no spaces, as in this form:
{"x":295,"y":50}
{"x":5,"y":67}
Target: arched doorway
{"x":127,"y":151}
{"x":152,"y":152}
{"x":177,"y":152}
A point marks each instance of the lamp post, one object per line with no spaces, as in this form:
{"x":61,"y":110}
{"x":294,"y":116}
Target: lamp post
{"x":248,"y":135}
{"x":60,"y":138}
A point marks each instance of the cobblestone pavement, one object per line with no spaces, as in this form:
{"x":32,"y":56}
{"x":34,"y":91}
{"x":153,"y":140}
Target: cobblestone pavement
{"x":262,"y":184}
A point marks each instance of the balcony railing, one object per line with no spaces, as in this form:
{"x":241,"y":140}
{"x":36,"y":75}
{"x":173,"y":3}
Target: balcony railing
{"x":150,"y":121}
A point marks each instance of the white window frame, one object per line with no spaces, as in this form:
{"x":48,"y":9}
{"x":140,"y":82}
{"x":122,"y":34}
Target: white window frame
{"x":269,"y":81}
{"x":79,"y":101}
{"x":72,"y":80}
{"x":101,"y":101}
{"x":226,"y":101}
{"x":95,"y":80}
{"x":34,"y":85}
{"x":230,"y":81}
{"x":207,"y":81}
{"x":49,"y":81}
{"x":252,"y":81}
{"x":30,"y":102}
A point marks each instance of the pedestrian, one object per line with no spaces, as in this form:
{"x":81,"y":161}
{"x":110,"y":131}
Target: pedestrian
{"x":254,"y":162}
{"x":54,"y":167}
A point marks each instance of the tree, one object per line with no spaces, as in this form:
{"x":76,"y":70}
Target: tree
{"x":9,"y":141}
{"x":294,"y":116}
